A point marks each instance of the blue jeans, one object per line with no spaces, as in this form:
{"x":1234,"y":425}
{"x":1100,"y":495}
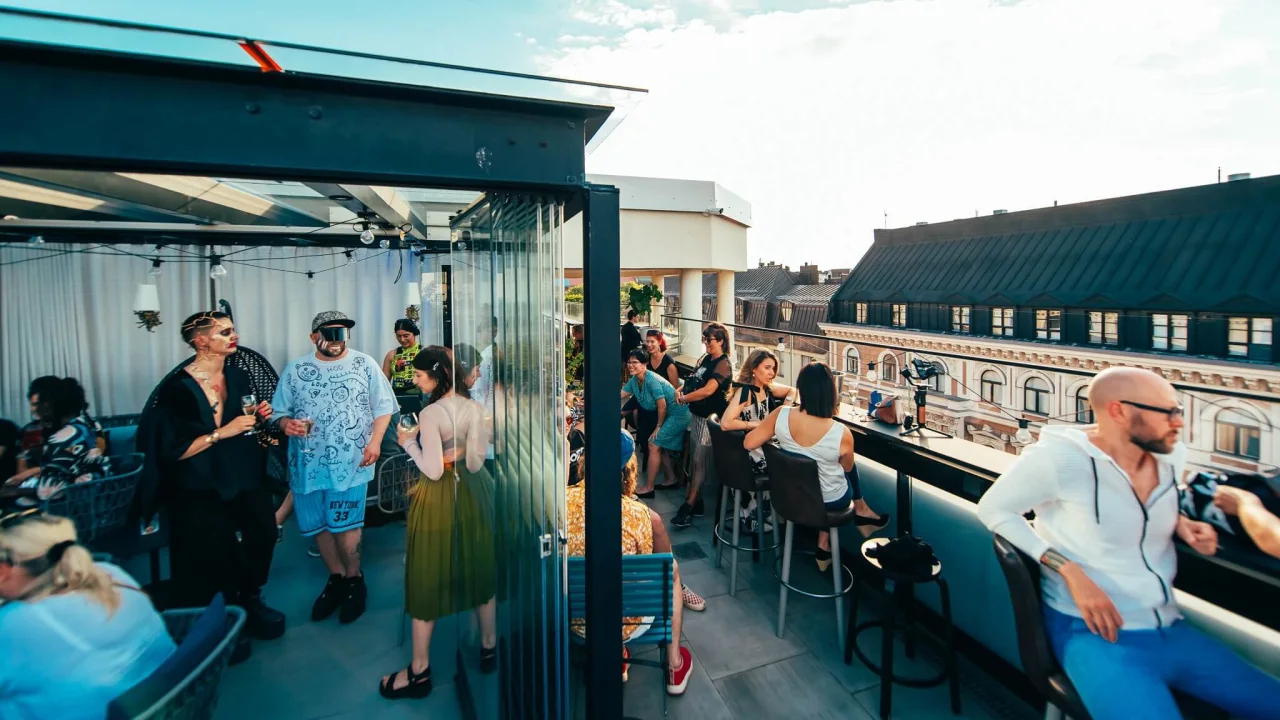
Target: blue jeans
{"x":854,"y":492}
{"x":1131,"y":678}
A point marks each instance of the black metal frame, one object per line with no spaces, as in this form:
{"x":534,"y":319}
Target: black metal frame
{"x":94,"y":110}
{"x":601,"y":259}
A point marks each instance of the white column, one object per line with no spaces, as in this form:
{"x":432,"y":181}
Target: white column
{"x":724,"y":300}
{"x":691,"y":307}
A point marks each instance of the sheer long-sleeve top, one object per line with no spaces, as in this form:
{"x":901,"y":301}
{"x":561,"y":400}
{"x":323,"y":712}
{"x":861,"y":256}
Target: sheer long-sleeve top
{"x":449,"y":429}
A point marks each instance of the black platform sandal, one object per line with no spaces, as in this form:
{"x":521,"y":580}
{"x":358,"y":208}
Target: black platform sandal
{"x":488,"y":659}
{"x":417,"y":687}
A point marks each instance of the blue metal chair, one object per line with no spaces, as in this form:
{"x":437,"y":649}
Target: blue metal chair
{"x":647,"y":591}
{"x":196,"y":695}
{"x":100,"y":507}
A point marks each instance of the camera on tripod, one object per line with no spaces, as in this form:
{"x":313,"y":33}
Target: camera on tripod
{"x":924,"y":370}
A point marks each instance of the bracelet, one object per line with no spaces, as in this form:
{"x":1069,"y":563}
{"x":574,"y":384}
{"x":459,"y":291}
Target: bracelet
{"x":1054,"y":560}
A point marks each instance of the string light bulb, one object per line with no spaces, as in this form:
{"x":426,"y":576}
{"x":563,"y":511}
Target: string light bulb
{"x":216,"y":271}
{"x":351,"y":259}
{"x":311,"y":278}
{"x":155,"y":268}
{"x":36,"y":240}
{"x":384,"y":243}
{"x":1024,"y":432}
{"x":871,"y":371}
{"x":366,"y":235}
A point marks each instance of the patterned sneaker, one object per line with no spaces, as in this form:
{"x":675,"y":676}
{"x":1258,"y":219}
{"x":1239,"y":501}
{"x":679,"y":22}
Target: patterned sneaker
{"x":692,"y":600}
{"x":678,"y":678}
{"x":684,"y":516}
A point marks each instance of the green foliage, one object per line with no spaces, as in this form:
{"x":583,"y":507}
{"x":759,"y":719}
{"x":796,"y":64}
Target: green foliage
{"x":641,"y":297}
{"x":573,"y":294}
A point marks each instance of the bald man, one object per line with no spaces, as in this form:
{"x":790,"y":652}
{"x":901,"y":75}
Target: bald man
{"x":1106,"y":505}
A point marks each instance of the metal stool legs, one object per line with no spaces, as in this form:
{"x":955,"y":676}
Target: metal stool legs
{"x":836,"y":577}
{"x":786,"y":577}
{"x":721,"y":505}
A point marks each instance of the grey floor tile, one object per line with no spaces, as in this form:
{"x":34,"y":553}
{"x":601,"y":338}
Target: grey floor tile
{"x":799,"y":687}
{"x":733,"y":635}
{"x":923,"y":704}
{"x":645,"y":688}
{"x":442,"y":704}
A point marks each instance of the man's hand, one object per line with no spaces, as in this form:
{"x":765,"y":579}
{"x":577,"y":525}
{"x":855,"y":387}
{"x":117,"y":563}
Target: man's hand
{"x":1232,"y":500}
{"x":294,"y":428}
{"x":1099,"y":613}
{"x":371,"y":455}
{"x":1199,"y":535}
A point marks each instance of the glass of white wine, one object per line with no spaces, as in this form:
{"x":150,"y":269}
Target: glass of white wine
{"x":249,"y":404}
{"x":305,"y":439}
{"x":408,"y":422}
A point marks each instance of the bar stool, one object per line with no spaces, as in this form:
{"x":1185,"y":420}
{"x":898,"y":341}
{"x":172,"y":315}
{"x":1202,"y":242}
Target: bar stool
{"x":796,"y":494}
{"x":903,"y":585}
{"x":736,"y":472}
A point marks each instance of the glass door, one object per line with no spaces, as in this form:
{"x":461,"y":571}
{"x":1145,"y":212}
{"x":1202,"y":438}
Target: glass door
{"x":505,"y":307}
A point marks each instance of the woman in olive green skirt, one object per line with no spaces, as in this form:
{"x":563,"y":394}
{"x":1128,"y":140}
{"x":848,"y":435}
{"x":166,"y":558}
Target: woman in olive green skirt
{"x":449,"y":562}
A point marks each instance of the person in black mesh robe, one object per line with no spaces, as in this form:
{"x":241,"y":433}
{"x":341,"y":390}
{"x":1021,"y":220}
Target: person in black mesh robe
{"x":209,"y":469}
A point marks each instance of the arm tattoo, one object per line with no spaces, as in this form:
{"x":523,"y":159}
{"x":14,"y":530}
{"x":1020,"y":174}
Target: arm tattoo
{"x":1053,"y":560}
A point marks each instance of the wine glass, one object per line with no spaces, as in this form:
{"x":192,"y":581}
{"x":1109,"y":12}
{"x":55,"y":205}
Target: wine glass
{"x":305,"y":439}
{"x":249,"y":404}
{"x":408,"y":422}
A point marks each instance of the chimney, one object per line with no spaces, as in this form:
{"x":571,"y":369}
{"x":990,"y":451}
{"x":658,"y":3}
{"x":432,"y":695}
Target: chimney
{"x":808,"y":274}
{"x":1237,"y":176}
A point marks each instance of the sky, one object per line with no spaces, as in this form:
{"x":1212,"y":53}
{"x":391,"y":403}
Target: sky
{"x":833,"y":117}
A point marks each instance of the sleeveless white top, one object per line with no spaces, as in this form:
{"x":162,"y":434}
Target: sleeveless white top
{"x":826,"y":452}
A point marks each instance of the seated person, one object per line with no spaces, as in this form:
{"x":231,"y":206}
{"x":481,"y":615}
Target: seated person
{"x":8,"y":449}
{"x":74,"y":634}
{"x":1262,"y":526}
{"x":638,"y":538}
{"x":70,"y":453}
{"x":33,"y":434}
{"x":1106,"y":507}
{"x":811,"y":430}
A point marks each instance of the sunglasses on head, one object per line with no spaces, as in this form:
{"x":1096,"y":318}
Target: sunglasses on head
{"x":14,"y":519}
{"x":334,"y":334}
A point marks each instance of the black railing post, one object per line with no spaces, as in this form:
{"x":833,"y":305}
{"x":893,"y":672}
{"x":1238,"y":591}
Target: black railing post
{"x":601,"y":267}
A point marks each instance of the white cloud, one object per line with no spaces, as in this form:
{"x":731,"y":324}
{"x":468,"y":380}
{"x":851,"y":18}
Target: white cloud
{"x":826,"y":118}
{"x":616,"y":13}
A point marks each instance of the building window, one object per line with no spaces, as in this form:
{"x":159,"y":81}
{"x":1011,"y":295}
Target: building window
{"x":851,"y":361}
{"x":1035,"y":396}
{"x":889,"y":369}
{"x":899,"y":315}
{"x":1169,"y":332}
{"x":784,"y":311}
{"x":1104,"y":328}
{"x":1049,"y":324}
{"x":1084,"y":411}
{"x":992,"y":387}
{"x":860,"y":313}
{"x":1238,"y":434}
{"x":1002,"y":321}
{"x":960,"y":319}
{"x":935,"y":383}
{"x":1249,"y":338}
{"x":739,"y":311}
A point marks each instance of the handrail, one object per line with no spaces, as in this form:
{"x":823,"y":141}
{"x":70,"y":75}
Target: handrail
{"x":1001,"y":361}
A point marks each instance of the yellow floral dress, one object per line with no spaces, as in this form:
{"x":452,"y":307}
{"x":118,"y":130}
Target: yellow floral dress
{"x":637,"y":539}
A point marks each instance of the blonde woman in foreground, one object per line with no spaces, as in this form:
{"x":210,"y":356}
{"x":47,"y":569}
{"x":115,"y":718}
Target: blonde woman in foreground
{"x":74,"y":634}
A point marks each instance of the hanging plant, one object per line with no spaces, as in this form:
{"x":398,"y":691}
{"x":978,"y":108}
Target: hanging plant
{"x":412,"y":313}
{"x":149,"y":319}
{"x":641,"y":298}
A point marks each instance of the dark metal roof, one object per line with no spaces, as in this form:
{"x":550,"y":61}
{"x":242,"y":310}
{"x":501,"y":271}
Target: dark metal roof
{"x":810,"y":294}
{"x":760,"y":283}
{"x":1209,"y":248}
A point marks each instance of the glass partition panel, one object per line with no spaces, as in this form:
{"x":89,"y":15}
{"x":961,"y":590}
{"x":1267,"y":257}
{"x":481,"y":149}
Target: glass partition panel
{"x":507,"y":338}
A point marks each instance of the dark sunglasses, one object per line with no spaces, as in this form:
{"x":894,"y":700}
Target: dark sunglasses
{"x":333,"y":334}
{"x":1174,"y":412}
{"x":15,"y":519}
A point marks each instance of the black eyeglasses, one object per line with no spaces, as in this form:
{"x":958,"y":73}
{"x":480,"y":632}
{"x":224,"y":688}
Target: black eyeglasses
{"x":14,"y":519}
{"x":1174,"y":412}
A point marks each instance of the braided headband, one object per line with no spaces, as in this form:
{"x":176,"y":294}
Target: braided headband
{"x":204,"y":319}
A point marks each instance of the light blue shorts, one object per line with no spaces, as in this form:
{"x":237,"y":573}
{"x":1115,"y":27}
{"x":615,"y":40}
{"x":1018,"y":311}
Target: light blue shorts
{"x":334,"y":511}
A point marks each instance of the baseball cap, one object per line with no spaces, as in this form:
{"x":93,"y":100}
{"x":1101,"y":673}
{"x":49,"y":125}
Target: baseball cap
{"x":628,"y":448}
{"x":331,"y":317}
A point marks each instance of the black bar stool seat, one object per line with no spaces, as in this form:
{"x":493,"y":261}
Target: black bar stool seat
{"x":903,"y":586}
{"x":735,"y":472}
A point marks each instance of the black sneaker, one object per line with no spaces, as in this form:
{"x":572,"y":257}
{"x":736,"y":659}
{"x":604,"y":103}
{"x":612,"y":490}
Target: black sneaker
{"x":334,"y":592}
{"x":698,"y":510}
{"x":353,"y":603}
{"x":261,"y":622}
{"x":684,"y":516}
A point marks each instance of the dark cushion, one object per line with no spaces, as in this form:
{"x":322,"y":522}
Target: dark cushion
{"x":206,"y":632}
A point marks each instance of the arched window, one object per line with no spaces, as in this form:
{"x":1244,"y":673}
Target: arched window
{"x":1084,"y":411}
{"x":784,"y":311}
{"x":1035,"y":396}
{"x":889,"y":369}
{"x":992,"y":387}
{"x":1237,"y":434}
{"x":852,"y":362}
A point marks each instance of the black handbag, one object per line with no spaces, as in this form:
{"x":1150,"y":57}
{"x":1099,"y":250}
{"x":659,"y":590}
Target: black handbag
{"x":905,"y":556}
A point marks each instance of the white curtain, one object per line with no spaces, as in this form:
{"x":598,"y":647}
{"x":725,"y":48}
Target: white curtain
{"x":72,"y":314}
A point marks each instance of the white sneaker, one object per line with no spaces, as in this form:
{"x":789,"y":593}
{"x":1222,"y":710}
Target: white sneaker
{"x":313,"y":551}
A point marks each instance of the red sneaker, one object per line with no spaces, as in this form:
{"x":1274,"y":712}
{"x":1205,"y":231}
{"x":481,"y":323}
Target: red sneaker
{"x":678,"y":678}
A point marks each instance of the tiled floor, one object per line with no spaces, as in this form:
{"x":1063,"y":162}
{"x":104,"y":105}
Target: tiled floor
{"x":742,"y":669}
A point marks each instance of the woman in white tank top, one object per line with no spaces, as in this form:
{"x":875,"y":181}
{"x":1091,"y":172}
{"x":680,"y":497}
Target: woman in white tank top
{"x":811,"y":430}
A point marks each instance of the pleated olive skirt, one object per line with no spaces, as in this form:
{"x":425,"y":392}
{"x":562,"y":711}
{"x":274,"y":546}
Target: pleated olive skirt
{"x":449,"y":567}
